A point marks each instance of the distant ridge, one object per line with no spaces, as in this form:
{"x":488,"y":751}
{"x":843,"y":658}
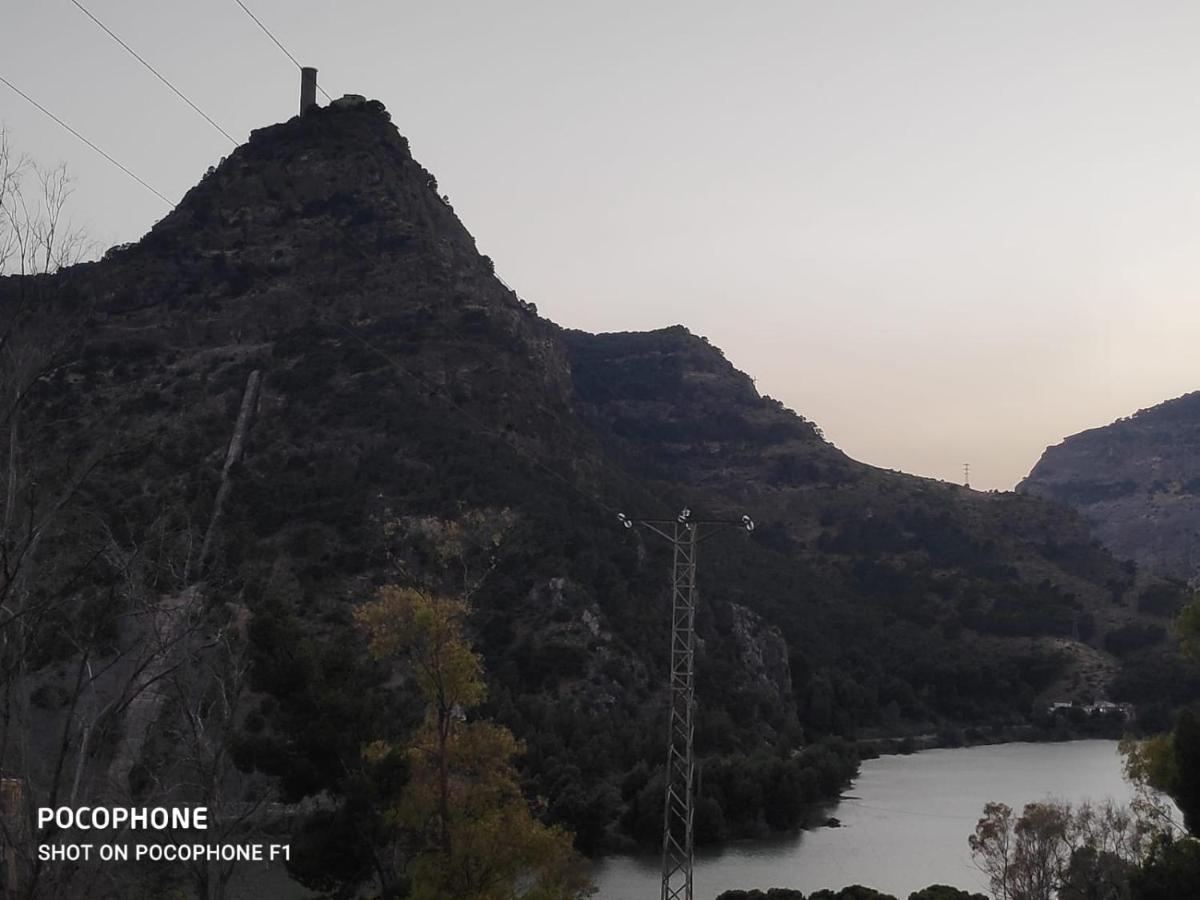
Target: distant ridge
{"x":1137,"y":482}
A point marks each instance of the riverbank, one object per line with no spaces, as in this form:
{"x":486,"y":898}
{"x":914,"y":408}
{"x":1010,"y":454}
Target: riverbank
{"x":1053,"y":728}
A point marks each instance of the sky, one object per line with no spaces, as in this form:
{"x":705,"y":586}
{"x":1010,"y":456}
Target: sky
{"x":946,"y":232}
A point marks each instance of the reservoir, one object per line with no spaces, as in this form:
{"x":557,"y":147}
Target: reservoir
{"x":905,"y":822}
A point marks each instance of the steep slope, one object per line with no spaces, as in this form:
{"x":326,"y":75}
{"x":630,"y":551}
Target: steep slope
{"x":923,"y":564}
{"x":1137,"y":482}
{"x":417,"y":422}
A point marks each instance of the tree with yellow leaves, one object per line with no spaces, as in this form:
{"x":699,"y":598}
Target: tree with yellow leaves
{"x":474,"y":837}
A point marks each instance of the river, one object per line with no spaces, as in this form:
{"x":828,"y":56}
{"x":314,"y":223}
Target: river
{"x":905,"y":822}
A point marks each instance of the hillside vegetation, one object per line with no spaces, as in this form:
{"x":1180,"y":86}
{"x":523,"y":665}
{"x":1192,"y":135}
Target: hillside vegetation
{"x":414,"y":422}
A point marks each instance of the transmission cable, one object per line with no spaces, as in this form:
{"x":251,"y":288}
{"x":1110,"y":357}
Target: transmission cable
{"x":86,"y":141}
{"x":157,"y":74}
{"x":267,"y":32}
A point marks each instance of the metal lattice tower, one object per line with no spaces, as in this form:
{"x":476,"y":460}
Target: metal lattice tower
{"x":679,"y":809}
{"x":677,"y":816}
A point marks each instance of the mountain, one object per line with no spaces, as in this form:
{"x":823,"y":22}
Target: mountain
{"x":1136,"y":482}
{"x":913,"y":562}
{"x":306,"y":382}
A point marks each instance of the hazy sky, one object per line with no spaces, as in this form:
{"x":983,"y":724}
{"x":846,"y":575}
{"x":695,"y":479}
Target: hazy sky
{"x":945,"y":231}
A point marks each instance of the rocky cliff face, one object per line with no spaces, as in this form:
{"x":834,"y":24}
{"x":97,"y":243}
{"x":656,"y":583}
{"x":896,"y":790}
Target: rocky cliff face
{"x":1136,"y":482}
{"x":762,"y":656}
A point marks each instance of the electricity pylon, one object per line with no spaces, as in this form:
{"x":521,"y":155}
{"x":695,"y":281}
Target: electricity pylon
{"x":679,"y":808}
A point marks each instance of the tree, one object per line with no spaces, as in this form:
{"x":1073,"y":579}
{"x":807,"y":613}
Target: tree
{"x":43,"y":613}
{"x":944,"y":892}
{"x":1185,"y":741}
{"x":1187,"y":630}
{"x":472,"y":834}
{"x":992,"y":848}
{"x":1170,"y":763}
{"x":35,"y":236}
{"x":208,"y":688}
{"x":1054,"y":851}
{"x":1171,"y":870}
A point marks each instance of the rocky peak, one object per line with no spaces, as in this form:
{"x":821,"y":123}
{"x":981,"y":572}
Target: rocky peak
{"x":1136,"y":481}
{"x":348,"y":168}
{"x":323,"y":238}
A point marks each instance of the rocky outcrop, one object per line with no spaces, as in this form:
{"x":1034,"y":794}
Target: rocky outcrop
{"x":762,"y":655}
{"x":1137,"y":482}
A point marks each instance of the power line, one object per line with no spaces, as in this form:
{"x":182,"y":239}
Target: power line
{"x":85,"y":140}
{"x":157,"y":74}
{"x":267,"y":32}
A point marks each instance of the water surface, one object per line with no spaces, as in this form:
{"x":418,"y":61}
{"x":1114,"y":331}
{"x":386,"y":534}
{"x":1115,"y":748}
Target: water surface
{"x":905,"y":822}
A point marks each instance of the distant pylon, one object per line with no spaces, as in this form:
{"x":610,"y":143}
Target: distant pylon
{"x":966,"y":474}
{"x":679,"y":808}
